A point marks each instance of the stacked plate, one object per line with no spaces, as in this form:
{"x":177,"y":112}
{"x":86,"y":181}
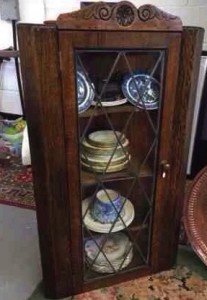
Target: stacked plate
{"x":116,"y":252}
{"x":105,"y":151}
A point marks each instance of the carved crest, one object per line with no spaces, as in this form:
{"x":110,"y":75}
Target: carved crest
{"x":119,"y":16}
{"x":125,"y":15}
{"x":149,"y":12}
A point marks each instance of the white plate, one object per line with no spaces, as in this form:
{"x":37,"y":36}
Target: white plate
{"x":114,"y":247}
{"x":111,"y":103}
{"x":96,"y":226}
{"x":101,"y":159}
{"x":87,"y":145}
{"x":105,"y":138}
{"x":102,"y":167}
{"x":106,"y":268}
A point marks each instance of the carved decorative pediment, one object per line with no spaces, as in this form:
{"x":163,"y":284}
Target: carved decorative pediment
{"x":119,"y":16}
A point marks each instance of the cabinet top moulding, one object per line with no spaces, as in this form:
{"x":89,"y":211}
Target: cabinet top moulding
{"x":119,"y":16}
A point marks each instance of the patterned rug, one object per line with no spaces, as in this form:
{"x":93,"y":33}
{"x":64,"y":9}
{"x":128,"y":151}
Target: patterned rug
{"x":16,"y":186}
{"x":179,"y":283}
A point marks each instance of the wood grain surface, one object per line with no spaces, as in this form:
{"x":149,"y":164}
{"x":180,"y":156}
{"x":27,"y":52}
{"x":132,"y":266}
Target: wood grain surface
{"x":48,"y":71}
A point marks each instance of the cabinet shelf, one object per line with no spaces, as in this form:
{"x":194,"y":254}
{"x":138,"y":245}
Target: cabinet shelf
{"x":90,"y":178}
{"x":110,"y":110}
{"x":131,"y":228}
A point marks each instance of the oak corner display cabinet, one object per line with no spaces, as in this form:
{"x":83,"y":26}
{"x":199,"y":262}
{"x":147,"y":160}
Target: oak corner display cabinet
{"x":106,"y":93}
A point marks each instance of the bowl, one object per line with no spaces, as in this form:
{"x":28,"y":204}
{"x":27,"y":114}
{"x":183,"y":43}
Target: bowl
{"x":106,"y":206}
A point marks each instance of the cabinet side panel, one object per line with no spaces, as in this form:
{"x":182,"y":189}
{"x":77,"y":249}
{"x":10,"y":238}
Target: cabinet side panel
{"x":164,"y":204}
{"x":192,"y":39}
{"x":168,"y":234}
{"x":42,"y":88}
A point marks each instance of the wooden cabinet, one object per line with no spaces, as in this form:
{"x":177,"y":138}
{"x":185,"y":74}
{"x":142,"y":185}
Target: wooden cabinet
{"x":106,"y":92}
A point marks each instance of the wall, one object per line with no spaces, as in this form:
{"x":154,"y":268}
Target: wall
{"x":192,"y":13}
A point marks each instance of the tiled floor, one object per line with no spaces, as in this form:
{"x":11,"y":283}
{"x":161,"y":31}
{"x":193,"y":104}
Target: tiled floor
{"x":20,"y":270}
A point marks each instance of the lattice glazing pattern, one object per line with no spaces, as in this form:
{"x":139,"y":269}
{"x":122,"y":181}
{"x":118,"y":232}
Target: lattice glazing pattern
{"x":118,"y":150}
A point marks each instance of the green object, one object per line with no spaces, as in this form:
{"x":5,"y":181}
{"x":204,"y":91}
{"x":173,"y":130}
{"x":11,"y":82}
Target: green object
{"x":12,"y":134}
{"x":13,"y":127}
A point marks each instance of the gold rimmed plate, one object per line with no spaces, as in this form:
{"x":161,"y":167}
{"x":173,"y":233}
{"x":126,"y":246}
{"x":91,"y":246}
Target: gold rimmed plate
{"x":106,"y":138}
{"x":101,"y":168}
{"x":101,"y":160}
{"x":94,"y":150}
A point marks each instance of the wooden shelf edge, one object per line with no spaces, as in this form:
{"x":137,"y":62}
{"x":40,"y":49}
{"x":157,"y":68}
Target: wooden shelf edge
{"x":9,"y":53}
{"x":88,"y":178}
{"x":127,"y":107}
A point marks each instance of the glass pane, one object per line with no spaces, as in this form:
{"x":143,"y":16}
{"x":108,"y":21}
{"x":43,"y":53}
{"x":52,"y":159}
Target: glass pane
{"x":118,"y":99}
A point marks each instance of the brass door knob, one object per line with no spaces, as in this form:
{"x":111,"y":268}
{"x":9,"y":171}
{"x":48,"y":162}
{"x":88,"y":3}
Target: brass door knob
{"x":165,"y":167}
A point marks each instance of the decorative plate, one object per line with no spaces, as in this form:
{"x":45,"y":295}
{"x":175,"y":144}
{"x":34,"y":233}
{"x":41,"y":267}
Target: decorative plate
{"x":142,"y":90}
{"x":195,"y":212}
{"x":114,"y":247}
{"x":101,"y":168}
{"x":115,"y":265}
{"x":117,"y":253}
{"x":106,"y":138}
{"x":101,"y":160}
{"x":110,"y":91}
{"x":85,"y":91}
{"x":96,"y":226}
{"x":104,"y":151}
{"x":115,"y":102}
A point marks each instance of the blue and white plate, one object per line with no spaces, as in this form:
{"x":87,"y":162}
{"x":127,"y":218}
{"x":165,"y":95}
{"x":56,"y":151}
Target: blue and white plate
{"x":85,"y":91}
{"x":142,"y":90}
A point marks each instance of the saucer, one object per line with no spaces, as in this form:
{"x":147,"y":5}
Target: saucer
{"x":115,"y":102}
{"x":114,"y":247}
{"x":102,"y":167}
{"x":96,"y":226}
{"x":105,"y":138}
{"x":101,"y":159}
{"x":116,"y":265}
{"x":115,"y":261}
{"x":94,"y":150}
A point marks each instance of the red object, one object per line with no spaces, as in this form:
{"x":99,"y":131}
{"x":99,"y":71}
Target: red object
{"x":195,"y":212}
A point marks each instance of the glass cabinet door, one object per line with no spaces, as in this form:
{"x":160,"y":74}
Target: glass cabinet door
{"x":119,"y":95}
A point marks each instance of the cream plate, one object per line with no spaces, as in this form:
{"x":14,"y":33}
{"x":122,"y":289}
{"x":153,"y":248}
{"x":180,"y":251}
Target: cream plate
{"x":105,"y":138}
{"x":116,"y":159}
{"x":115,"y":102}
{"x":102,"y":162}
{"x":107,"y":268}
{"x":101,"y":168}
{"x":114,"y":247}
{"x":96,"y":226}
{"x":105,"y":151}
